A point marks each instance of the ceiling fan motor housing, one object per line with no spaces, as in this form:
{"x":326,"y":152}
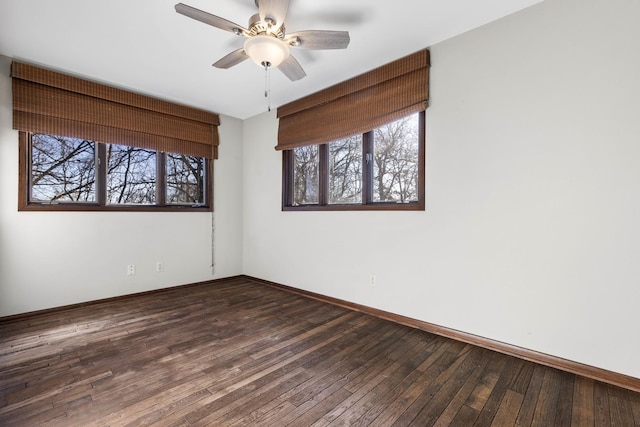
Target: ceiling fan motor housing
{"x":258,"y":26}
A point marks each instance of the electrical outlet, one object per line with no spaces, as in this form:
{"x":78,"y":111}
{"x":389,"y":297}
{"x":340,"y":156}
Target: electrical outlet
{"x":159,"y":267}
{"x":131,"y":269}
{"x":372,"y":280}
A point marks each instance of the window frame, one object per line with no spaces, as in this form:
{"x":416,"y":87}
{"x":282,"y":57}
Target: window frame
{"x":24,"y":186}
{"x":367,"y":203}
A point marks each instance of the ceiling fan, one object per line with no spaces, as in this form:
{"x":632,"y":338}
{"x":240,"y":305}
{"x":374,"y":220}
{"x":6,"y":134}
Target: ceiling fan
{"x":267,"y":43}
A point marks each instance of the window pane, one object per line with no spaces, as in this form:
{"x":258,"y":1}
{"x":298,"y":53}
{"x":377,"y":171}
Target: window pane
{"x":305,"y":175}
{"x":345,"y":170}
{"x":185,"y":179}
{"x":62,"y":169}
{"x":131,"y":175}
{"x":395,"y":168}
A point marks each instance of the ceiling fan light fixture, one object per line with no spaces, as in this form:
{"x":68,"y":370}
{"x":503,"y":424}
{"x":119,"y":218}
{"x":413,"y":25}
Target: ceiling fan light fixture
{"x":266,"y":50}
{"x":266,"y":41}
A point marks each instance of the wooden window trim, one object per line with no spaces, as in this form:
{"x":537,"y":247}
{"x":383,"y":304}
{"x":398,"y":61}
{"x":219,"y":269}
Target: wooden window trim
{"x":367,"y":203}
{"x":24,"y":172}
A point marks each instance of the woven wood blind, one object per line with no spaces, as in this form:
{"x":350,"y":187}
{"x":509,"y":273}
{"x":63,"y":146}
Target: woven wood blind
{"x":45,"y":101}
{"x":357,"y":105}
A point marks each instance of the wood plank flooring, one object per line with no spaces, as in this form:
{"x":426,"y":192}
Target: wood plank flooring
{"x":238,"y":353}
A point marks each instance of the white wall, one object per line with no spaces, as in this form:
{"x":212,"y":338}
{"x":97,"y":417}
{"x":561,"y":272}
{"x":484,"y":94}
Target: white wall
{"x":50,"y":259}
{"x":531,"y":234}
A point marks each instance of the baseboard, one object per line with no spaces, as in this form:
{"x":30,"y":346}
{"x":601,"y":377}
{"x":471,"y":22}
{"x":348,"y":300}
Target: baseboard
{"x":598,"y":374}
{"x":22,"y":316}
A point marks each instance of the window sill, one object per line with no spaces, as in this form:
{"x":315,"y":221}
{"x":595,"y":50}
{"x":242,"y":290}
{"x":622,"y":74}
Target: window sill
{"x":73,"y":207}
{"x":416,"y":206}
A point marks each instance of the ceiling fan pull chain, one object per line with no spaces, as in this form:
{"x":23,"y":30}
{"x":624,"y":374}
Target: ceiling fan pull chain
{"x":267,"y":85}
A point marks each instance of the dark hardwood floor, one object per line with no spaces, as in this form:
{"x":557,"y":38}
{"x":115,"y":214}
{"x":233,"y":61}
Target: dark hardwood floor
{"x":238,"y":353}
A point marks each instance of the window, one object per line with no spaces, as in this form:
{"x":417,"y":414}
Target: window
{"x":383,"y":169}
{"x":186,"y":176}
{"x":87,"y":146}
{"x":396,"y":169}
{"x":305,"y":170}
{"x":345,"y":170}
{"x":64,"y":173}
{"x":360,"y":144}
{"x":131,"y":175}
{"x":62,"y":169}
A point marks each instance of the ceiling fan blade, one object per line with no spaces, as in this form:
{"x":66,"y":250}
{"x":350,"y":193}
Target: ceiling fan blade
{"x":207,"y":18}
{"x":274,"y":9}
{"x":291,"y":68}
{"x":234,"y":58}
{"x":319,"y":39}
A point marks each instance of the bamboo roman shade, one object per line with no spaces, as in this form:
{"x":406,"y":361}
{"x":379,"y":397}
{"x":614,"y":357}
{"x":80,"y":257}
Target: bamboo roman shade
{"x":357,"y":105}
{"x":45,"y":101}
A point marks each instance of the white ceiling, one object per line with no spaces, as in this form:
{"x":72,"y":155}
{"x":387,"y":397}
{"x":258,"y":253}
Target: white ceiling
{"x":145,"y":46}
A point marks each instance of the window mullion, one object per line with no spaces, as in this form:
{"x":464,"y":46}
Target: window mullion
{"x":323,"y":175}
{"x":208,"y":183}
{"x":287,"y":178}
{"x":25,"y":163}
{"x":422,"y":158}
{"x":367,"y":168}
{"x":101,"y":174}
{"x":161,"y":178}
